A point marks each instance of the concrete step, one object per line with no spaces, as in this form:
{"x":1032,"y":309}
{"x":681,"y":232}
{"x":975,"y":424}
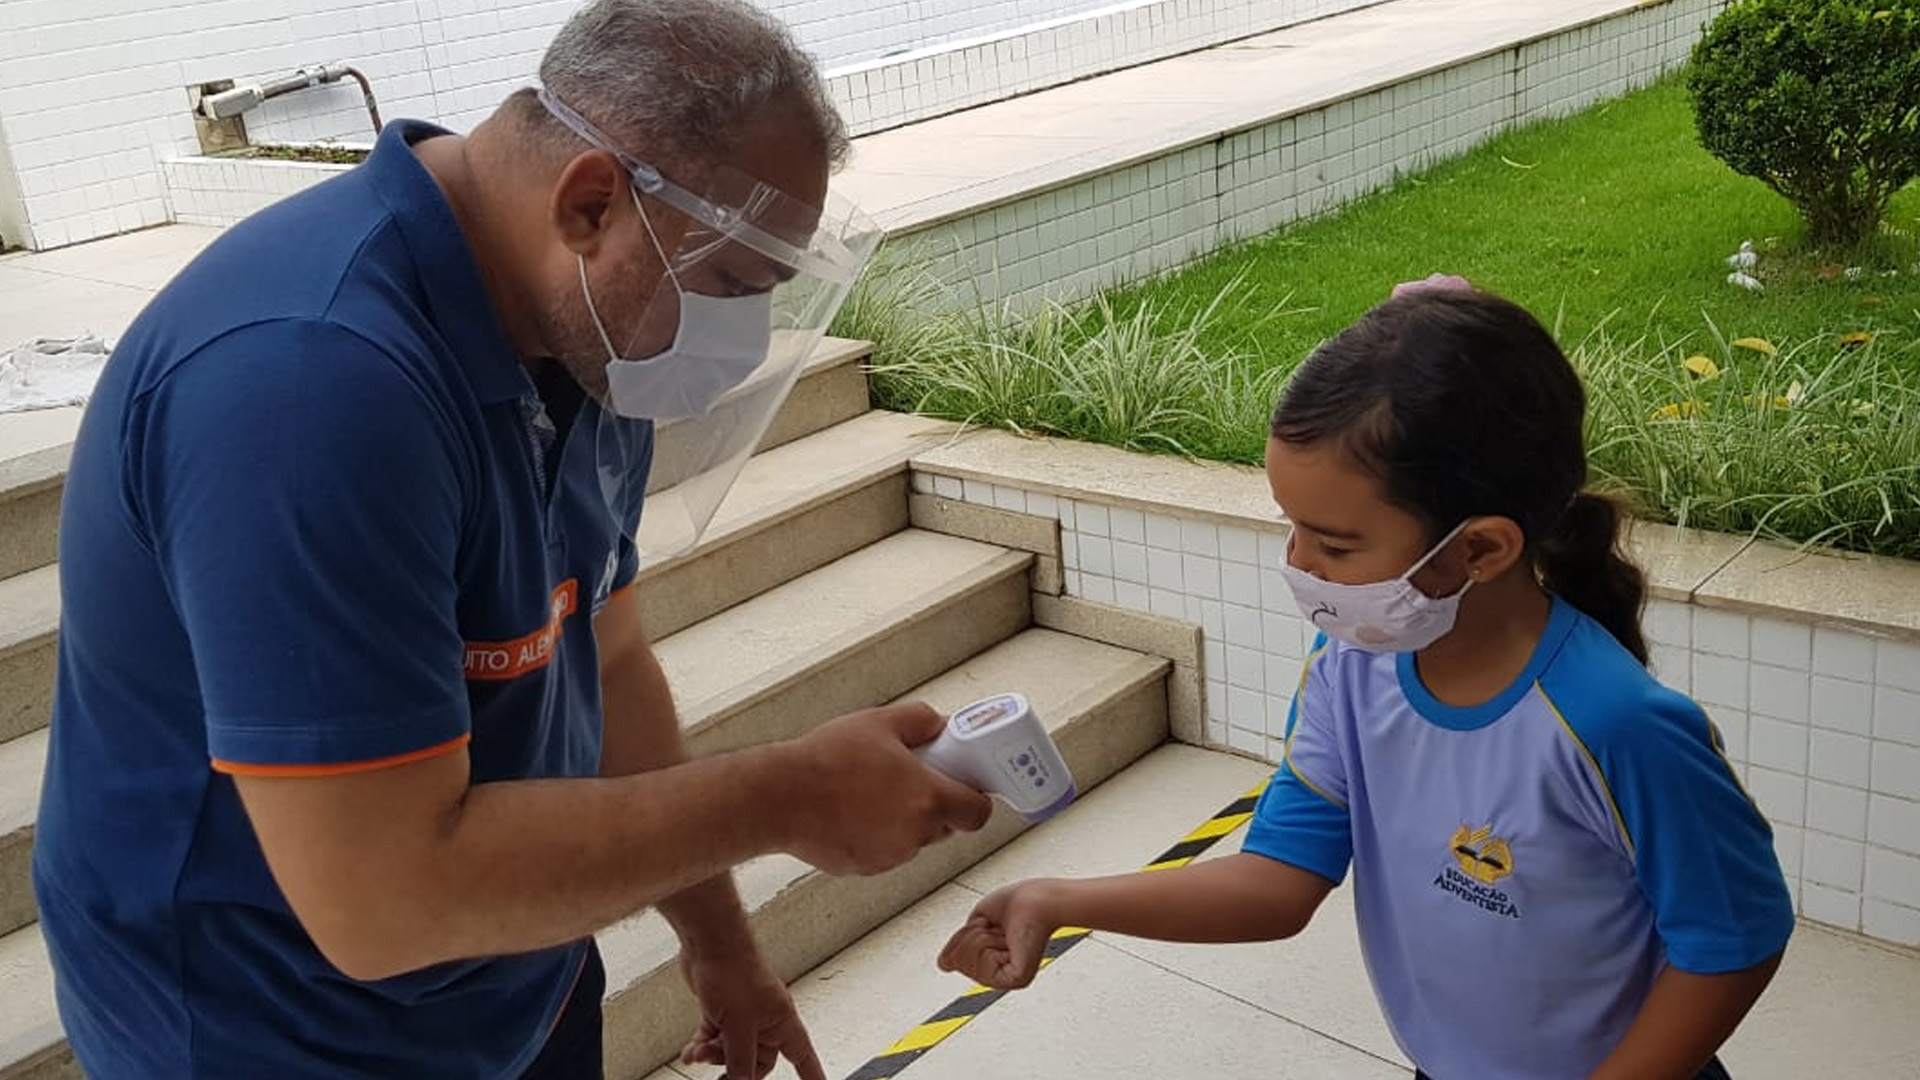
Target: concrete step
{"x":1105,"y":706}
{"x":831,"y":388}
{"x":30,"y":487}
{"x":794,"y":509}
{"x":21,"y":762}
{"x":851,"y":634}
{"x":29,"y":616}
{"x":849,"y":474}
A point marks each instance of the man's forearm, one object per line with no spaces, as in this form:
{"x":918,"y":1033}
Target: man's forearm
{"x":1683,"y":1023}
{"x":641,"y":733}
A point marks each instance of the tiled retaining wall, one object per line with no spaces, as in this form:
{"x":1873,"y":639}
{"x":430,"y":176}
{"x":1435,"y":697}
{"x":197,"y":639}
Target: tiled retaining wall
{"x":1172,"y":205}
{"x":1822,"y":722}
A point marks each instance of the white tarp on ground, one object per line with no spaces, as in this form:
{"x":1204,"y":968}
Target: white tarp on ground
{"x":47,"y":373}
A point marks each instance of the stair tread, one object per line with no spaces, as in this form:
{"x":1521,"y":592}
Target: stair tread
{"x":790,"y":628}
{"x":29,"y":607}
{"x":1062,"y":676}
{"x":787,"y":479}
{"x":21,"y":763}
{"x":29,"y":1021}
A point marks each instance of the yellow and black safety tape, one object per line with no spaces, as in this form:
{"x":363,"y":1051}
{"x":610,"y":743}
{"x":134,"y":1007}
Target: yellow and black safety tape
{"x":937,"y":1028}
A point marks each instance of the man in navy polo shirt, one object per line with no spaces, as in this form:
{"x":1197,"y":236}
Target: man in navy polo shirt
{"x":357,"y":737}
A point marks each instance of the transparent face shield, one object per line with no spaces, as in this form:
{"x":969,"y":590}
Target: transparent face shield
{"x":754,"y":278}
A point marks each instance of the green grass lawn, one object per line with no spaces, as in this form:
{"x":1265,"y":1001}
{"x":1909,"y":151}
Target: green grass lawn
{"x":1615,"y":216}
{"x":1613,"y":226}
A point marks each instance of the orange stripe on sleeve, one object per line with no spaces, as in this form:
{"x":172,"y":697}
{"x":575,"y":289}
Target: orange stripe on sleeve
{"x":343,"y":768}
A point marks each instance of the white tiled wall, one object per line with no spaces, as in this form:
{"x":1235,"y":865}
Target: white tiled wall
{"x":1152,"y":216}
{"x":1823,"y":725}
{"x":94,"y":95}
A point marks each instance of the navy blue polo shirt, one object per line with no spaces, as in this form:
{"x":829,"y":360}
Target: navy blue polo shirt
{"x":317,"y":520}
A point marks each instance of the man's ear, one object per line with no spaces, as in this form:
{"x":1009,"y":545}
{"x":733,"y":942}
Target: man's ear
{"x":1493,"y":545}
{"x":584,"y":198}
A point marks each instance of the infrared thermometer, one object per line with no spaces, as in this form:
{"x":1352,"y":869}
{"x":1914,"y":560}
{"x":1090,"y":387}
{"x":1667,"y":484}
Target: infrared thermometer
{"x":997,"y":745}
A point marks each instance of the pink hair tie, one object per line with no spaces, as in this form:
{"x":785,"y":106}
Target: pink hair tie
{"x":1443,"y":283}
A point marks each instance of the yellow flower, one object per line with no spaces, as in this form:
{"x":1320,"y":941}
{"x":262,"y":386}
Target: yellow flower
{"x":1701,"y":367}
{"x":1679,"y":410}
{"x":1759,"y":345}
{"x":1854,"y":339}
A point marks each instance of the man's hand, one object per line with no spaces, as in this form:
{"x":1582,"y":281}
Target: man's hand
{"x":865,"y":803}
{"x":748,"y":1020}
{"x":1004,"y":938}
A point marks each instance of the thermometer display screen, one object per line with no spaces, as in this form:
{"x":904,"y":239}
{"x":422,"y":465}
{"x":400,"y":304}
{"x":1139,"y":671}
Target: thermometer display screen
{"x":985,"y":714}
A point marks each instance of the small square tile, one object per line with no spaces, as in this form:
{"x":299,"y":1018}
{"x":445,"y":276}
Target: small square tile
{"x":1199,"y":538}
{"x":1242,"y":625}
{"x":1131,"y":595}
{"x":1842,"y":654}
{"x":1732,"y":726}
{"x":1239,"y":545}
{"x":1246,"y":708}
{"x":1096,"y":555}
{"x":1069,"y":514}
{"x":1217,"y":697}
{"x":949,"y":487}
{"x":1071,"y":583}
{"x":1893,"y":823}
{"x":1836,"y":810}
{"x":1673,"y":666}
{"x":978,"y":492}
{"x":922,"y":484}
{"x":1897,"y":923}
{"x":1778,"y":692}
{"x":1164,"y":569}
{"x":1783,"y":644}
{"x":1782,"y":796}
{"x":1896,"y":715}
{"x":1127,"y":524}
{"x":1896,"y":769}
{"x":1213,"y":620}
{"x":1788,"y":841}
{"x":1833,"y":907}
{"x":1720,"y":680}
{"x":1070,"y":550}
{"x":1274,"y":593}
{"x":1163,"y":532}
{"x":1899,"y":665}
{"x":1130,"y":562}
{"x":1777,"y":744}
{"x":1893,"y":876}
{"x":1247,"y":742}
{"x":1842,"y":705}
{"x":1840,"y":759}
{"x":1834,"y":861}
{"x":1721,"y":633}
{"x":1202,"y":575}
{"x":1240,"y":583}
{"x":1273,"y":550}
{"x":1668,"y":622}
{"x":1246,"y":669}
{"x":1166,"y":603}
{"x":1009,"y":498}
{"x":1091,"y":519}
{"x":1097,"y":588}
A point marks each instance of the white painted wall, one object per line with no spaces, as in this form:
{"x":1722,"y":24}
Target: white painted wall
{"x":13,"y":212}
{"x":95,"y":91}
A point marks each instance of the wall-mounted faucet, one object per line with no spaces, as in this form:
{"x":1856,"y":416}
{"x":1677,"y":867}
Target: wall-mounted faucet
{"x":231,"y":103}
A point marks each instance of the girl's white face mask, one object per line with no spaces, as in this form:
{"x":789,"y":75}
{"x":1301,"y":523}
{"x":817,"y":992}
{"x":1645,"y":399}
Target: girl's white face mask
{"x":1389,"y":616}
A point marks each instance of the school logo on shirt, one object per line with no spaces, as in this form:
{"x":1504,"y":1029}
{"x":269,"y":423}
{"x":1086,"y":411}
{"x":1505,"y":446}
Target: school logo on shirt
{"x":1480,"y":859}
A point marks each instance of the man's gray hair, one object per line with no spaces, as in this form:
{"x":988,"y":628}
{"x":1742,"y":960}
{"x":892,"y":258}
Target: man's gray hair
{"x":677,"y":81}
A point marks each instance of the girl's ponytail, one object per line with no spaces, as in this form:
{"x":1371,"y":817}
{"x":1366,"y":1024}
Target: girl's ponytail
{"x":1580,"y":559}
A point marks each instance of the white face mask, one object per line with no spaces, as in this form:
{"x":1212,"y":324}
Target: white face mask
{"x":1384,"y":616}
{"x":720,"y":341}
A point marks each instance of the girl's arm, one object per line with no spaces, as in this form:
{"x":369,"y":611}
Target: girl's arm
{"x":1683,"y":1022}
{"x":1241,"y":897}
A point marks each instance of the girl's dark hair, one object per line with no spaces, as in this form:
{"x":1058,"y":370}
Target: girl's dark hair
{"x":1463,"y":405}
